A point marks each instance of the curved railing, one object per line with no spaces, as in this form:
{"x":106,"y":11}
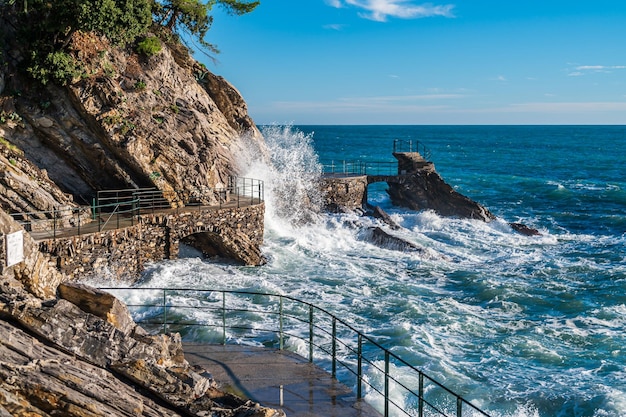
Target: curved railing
{"x":279,"y":321}
{"x":113,"y":209}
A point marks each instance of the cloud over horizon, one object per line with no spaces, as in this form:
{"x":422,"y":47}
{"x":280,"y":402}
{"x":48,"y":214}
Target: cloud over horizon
{"x":380,"y":10}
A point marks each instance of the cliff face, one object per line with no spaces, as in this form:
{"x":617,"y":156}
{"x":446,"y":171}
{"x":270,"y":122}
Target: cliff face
{"x":128,"y":121}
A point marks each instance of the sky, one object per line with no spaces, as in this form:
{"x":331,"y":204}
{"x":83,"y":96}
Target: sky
{"x":405,"y":62}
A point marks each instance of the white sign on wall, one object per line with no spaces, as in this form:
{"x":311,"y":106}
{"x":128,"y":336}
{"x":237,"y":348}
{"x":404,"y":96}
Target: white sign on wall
{"x":14,"y":248}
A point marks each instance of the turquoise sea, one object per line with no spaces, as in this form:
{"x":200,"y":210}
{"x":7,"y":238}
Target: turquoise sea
{"x":522,"y":326}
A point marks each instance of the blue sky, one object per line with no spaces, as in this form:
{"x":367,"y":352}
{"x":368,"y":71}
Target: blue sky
{"x":408,"y":62}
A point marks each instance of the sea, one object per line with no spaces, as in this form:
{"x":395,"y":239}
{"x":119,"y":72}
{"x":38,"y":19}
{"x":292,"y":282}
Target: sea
{"x":523,"y":325}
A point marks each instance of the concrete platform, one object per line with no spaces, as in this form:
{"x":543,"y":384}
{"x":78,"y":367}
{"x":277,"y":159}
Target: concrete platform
{"x":277,"y":379}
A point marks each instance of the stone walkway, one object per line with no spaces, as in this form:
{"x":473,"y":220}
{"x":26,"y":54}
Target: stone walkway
{"x":277,"y":379}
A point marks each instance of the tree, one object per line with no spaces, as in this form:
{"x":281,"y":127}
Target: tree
{"x":193,"y":16}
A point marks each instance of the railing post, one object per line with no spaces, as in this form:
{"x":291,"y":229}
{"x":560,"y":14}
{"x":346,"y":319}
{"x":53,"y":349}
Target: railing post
{"x":386,"y":383}
{"x":420,"y":400}
{"x":334,"y":349}
{"x":310,"y":333}
{"x":459,"y":407}
{"x":223,"y":317}
{"x":280,"y":333}
{"x":359,"y":368}
{"x":164,"y":312}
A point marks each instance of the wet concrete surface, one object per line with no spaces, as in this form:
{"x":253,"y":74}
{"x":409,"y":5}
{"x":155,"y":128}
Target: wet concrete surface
{"x":277,"y":379}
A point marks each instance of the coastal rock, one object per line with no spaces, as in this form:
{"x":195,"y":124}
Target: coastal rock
{"x":379,"y":237}
{"x":524,"y":230}
{"x":422,"y":188}
{"x":75,"y":355}
{"x":99,"y":303}
{"x":379,"y":213}
{"x":163,"y":122}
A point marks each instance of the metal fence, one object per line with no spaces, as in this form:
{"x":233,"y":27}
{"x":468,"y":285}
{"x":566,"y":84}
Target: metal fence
{"x":404,"y":145}
{"x":360,"y":167}
{"x":278,"y":321}
{"x":113,"y":209}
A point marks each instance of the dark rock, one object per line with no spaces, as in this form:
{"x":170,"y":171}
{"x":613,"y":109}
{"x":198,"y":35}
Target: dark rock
{"x":381,"y":214}
{"x":379,"y":237}
{"x":424,"y":189}
{"x":525,"y":230}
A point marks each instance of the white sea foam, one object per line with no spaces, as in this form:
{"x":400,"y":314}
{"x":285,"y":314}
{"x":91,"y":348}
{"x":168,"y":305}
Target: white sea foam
{"x":525,"y":326}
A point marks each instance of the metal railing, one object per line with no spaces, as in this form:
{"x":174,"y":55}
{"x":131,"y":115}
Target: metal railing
{"x":404,"y":145}
{"x":279,"y":321}
{"x":360,"y":167}
{"x":78,"y":220}
{"x":113,"y":209}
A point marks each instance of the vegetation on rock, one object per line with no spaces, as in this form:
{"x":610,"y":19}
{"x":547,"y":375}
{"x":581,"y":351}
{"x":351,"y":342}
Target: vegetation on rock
{"x":45,"y":28}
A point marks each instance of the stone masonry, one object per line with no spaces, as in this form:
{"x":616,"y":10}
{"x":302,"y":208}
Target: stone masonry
{"x":235,"y":233}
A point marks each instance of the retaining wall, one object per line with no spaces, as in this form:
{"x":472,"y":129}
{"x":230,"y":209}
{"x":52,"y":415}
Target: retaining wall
{"x":122,"y":253}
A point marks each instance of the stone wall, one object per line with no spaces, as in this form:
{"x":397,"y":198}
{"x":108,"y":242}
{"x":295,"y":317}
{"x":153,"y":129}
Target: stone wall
{"x":122,"y":253}
{"x":344,"y":193}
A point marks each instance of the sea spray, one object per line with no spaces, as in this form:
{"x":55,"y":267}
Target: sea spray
{"x":290,"y":171}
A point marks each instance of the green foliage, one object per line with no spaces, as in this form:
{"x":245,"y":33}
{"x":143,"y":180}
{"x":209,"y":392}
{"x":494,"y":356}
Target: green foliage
{"x":149,"y":46}
{"x":140,"y":85}
{"x":10,"y":116}
{"x":193,"y":16}
{"x":59,"y":67}
{"x":45,"y":29}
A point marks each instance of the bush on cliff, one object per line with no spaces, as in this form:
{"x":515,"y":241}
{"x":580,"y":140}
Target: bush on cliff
{"x":45,"y":28}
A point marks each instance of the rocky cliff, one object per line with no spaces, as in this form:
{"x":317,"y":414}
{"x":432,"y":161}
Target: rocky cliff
{"x":128,"y":121}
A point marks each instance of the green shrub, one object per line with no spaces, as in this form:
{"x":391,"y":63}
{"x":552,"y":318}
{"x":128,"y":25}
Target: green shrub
{"x":140,"y":85}
{"x":150,"y":46}
{"x":59,"y":67}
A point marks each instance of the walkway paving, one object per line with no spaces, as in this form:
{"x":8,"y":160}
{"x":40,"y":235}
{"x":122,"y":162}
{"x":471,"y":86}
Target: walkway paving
{"x":277,"y":379}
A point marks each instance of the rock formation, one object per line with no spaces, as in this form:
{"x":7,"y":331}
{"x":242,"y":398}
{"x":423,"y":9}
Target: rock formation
{"x":420,"y":187}
{"x":79,"y":353}
{"x":128,"y":121}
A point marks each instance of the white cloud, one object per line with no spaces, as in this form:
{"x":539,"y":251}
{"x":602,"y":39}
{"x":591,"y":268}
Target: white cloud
{"x":334,"y":3}
{"x":380,"y":10}
{"x":580,"y":70}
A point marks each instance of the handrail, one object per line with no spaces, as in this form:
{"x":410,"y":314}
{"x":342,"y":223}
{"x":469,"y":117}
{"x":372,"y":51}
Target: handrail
{"x":409,"y":145}
{"x":128,"y":204}
{"x":51,"y":223}
{"x":360,"y":167}
{"x":292,"y":320}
